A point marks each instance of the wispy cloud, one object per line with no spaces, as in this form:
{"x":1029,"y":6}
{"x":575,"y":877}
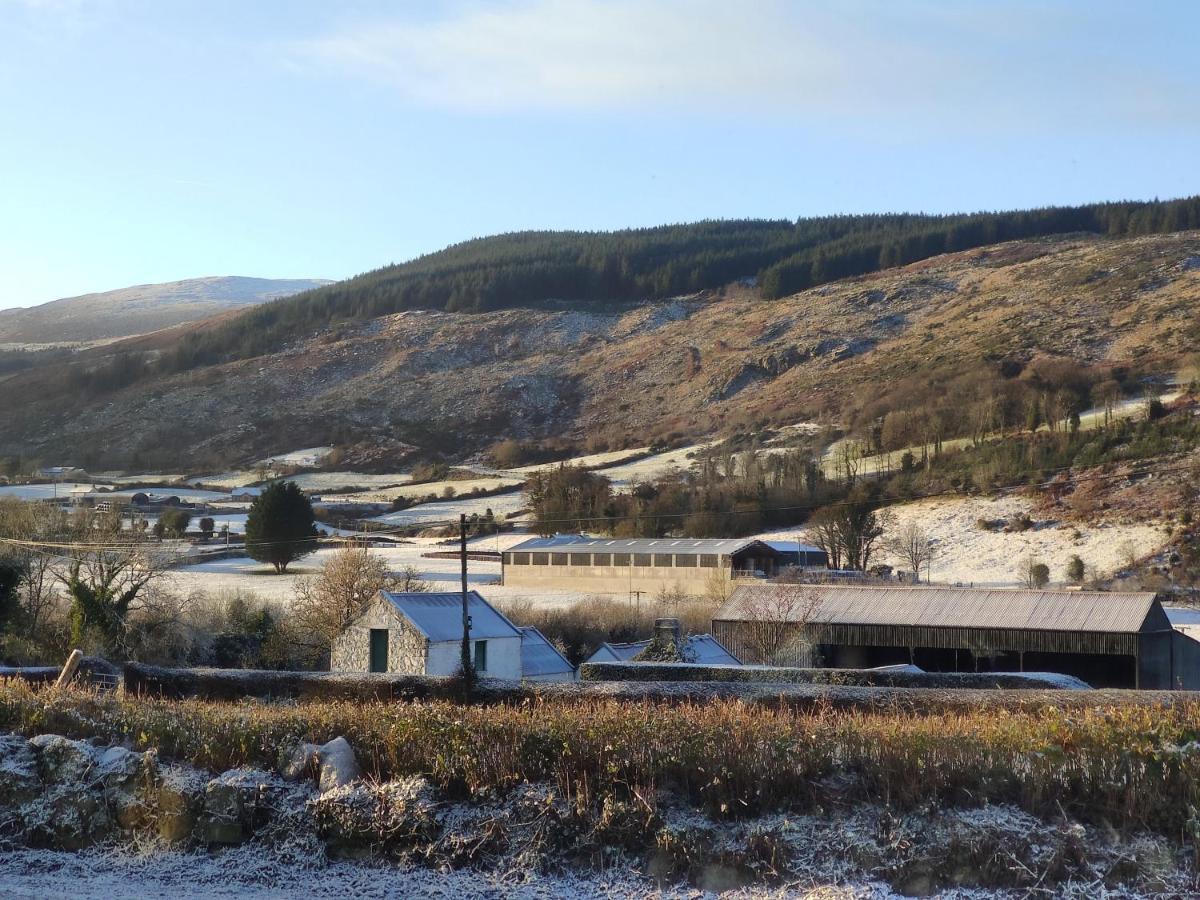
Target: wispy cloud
{"x":854,"y":61}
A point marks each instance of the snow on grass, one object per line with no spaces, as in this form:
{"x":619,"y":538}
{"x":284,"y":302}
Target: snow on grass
{"x":339,"y":481}
{"x":653,"y":466}
{"x":436,"y":488}
{"x":1091,"y":419}
{"x":61,"y":490}
{"x":120,"y":478}
{"x":311,"y":456}
{"x":501,"y":506}
{"x":225,"y":578}
{"x":228,"y":480}
{"x":258,"y":873}
{"x":590,"y":461}
{"x":967,"y":554}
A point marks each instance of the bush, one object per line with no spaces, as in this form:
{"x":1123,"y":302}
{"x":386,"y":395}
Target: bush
{"x":1075,"y":570}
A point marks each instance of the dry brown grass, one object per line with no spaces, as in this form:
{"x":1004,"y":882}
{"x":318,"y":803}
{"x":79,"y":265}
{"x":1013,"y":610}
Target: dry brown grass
{"x":1129,"y":767}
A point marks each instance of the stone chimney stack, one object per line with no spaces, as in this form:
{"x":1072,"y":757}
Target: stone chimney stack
{"x":667,"y":631}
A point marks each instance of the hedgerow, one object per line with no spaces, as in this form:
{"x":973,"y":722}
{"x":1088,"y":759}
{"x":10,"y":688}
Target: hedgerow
{"x":1130,"y":767}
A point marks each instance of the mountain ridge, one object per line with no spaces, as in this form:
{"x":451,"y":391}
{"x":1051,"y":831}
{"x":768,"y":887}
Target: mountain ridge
{"x":938,"y":334}
{"x":141,"y":308}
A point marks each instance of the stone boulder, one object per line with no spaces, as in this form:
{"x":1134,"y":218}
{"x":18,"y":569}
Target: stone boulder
{"x":71,"y":813}
{"x":178,"y":802}
{"x":239,"y":802}
{"x":127,"y":781}
{"x":300,"y":763}
{"x":19,"y":778}
{"x":397,"y":815}
{"x":337,"y":766}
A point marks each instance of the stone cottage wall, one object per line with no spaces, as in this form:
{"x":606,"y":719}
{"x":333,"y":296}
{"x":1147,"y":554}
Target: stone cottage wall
{"x":407,"y":648}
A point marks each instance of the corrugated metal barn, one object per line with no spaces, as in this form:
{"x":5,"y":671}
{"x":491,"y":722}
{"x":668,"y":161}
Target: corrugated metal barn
{"x":575,"y":562}
{"x":1107,"y":639}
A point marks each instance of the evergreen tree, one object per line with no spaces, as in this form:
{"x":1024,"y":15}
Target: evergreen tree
{"x":281,"y":528}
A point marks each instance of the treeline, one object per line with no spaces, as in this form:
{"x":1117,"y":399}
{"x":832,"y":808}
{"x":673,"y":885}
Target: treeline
{"x":724,"y":493}
{"x":527,"y":268}
{"x":885,"y":241}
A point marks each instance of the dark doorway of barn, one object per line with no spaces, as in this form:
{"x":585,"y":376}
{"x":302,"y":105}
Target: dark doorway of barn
{"x":379,"y":650}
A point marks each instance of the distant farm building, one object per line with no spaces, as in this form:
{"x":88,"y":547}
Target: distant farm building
{"x":702,"y":649}
{"x":804,"y":556}
{"x":1106,"y":639}
{"x":245,"y":494}
{"x":574,"y":562}
{"x":421,"y":634}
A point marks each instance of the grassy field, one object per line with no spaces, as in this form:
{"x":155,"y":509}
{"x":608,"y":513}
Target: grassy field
{"x":1131,"y":768}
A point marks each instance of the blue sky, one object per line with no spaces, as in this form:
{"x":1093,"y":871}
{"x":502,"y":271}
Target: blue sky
{"x":150,"y":140}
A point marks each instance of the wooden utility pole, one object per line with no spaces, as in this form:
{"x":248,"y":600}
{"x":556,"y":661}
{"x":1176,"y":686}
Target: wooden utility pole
{"x":468,"y":671}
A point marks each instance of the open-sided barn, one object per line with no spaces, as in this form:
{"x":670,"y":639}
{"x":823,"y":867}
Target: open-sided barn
{"x":1106,"y":639}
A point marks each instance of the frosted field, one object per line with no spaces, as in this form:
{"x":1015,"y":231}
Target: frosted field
{"x":310,"y":456}
{"x":224,"y":578}
{"x":501,"y":506}
{"x":42,"y":491}
{"x":653,"y":466}
{"x":63,"y":490}
{"x":968,"y":555}
{"x":591,"y":461}
{"x":227,"y":480}
{"x":459,"y":486}
{"x":870,"y":465}
{"x":340,"y":481}
{"x":117,"y":478}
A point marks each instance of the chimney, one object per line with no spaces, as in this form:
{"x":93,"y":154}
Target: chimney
{"x":667,"y":631}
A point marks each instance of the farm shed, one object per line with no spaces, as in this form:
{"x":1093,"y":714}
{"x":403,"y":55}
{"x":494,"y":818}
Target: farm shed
{"x":1106,"y":639}
{"x":703,"y":649}
{"x":794,"y":553}
{"x":540,"y":659}
{"x":421,"y":634}
{"x":574,"y":562}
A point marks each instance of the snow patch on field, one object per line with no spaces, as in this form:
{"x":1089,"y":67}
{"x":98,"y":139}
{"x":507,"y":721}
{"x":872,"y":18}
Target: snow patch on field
{"x":436,"y":488}
{"x":340,"y":481}
{"x":967,"y":554}
{"x":448,"y":511}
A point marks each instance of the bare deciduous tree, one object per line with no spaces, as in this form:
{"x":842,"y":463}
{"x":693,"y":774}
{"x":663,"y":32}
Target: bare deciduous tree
{"x":326,"y":602}
{"x":913,"y":545}
{"x":107,"y":574}
{"x":774,"y":618}
{"x":25,"y":524}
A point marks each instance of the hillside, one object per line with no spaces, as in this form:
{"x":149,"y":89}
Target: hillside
{"x":710,"y":362}
{"x":140,"y":309}
{"x":600,"y":269}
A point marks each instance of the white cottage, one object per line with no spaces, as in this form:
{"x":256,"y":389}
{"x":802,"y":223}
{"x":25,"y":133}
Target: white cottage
{"x":421,"y":634}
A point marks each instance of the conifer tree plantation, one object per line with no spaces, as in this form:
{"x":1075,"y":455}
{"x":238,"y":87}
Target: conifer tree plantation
{"x":605,"y":268}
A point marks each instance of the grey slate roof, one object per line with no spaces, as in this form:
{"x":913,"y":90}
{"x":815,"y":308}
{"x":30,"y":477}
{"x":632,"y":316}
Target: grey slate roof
{"x":792,"y":547}
{"x":568,"y":542}
{"x":953,"y":607}
{"x":439,"y":616}
{"x":539,"y":656}
{"x":706,"y":649}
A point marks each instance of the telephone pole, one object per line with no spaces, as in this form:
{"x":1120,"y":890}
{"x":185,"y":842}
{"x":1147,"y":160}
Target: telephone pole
{"x":468,"y":671}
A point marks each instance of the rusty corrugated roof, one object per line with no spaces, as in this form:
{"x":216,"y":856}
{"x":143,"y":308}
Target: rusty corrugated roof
{"x":944,"y":607}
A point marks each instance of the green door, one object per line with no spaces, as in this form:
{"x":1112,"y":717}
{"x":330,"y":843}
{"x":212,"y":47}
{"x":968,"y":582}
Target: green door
{"x":481,"y":656}
{"x":379,"y":648}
